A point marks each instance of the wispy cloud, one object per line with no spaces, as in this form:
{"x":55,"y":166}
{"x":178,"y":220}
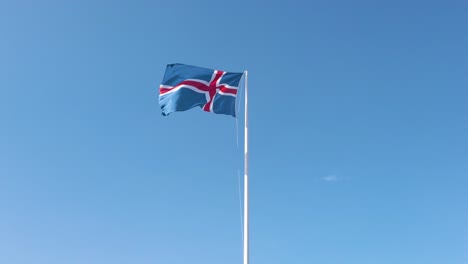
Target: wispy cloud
{"x":331,"y":178}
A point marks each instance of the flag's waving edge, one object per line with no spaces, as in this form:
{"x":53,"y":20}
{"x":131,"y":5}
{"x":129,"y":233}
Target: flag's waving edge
{"x":185,"y":87}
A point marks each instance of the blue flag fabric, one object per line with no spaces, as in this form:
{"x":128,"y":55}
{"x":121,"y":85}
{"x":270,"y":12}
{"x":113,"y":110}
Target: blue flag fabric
{"x":185,"y":87}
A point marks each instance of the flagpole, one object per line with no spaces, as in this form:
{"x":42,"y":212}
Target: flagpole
{"x":246,"y":178}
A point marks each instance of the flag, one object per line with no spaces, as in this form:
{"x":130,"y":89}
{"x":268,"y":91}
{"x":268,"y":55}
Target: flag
{"x":185,"y":87}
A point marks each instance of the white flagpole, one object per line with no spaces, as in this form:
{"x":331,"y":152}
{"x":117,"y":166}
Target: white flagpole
{"x":246,"y":179}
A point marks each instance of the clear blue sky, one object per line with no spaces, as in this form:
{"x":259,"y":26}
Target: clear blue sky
{"x":359,"y":133}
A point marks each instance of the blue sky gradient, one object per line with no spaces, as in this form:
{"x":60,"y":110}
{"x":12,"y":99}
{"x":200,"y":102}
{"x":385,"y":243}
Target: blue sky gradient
{"x":358,"y":120}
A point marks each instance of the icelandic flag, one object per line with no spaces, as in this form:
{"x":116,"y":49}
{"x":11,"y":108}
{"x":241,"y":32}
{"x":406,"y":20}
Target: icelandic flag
{"x":185,"y":87}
